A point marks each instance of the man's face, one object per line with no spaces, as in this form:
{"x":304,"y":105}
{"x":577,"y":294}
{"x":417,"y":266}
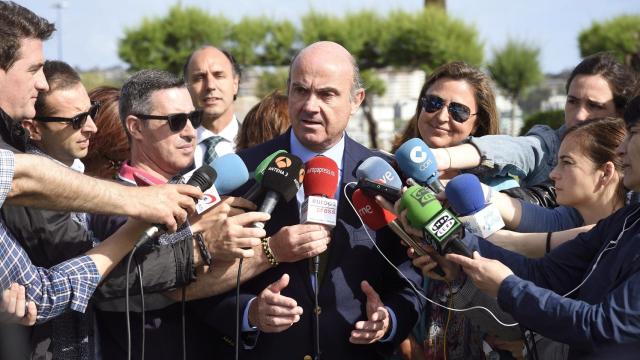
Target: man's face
{"x":164,"y":151}
{"x":60,"y":139}
{"x":212,"y":82}
{"x":320,"y":104}
{"x":19,"y":86}
{"x":629,"y":150}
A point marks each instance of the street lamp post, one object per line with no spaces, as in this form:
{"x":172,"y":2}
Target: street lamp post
{"x":59,"y":6}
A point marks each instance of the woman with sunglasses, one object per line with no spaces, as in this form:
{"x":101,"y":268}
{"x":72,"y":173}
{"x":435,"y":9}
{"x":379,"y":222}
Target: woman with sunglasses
{"x":599,"y":86}
{"x":455,"y":102}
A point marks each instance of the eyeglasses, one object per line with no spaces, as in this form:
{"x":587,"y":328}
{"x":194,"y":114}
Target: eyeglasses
{"x":177,"y":121}
{"x":77,"y":121}
{"x":433,"y":103}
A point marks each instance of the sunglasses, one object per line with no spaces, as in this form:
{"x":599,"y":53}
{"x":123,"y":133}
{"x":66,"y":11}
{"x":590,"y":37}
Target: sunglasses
{"x":178,"y":121}
{"x":77,"y":121}
{"x":433,"y":103}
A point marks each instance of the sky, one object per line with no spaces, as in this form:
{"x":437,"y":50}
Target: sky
{"x":91,"y":28}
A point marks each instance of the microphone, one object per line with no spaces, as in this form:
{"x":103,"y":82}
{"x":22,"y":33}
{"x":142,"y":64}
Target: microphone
{"x":282,"y":179}
{"x":255,"y":190}
{"x":203,"y":179}
{"x":464,"y":193}
{"x":442,"y":230}
{"x":232,"y":172}
{"x":377,"y":177}
{"x":320,"y":182}
{"x":416,"y":161}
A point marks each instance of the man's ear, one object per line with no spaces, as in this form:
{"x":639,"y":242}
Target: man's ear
{"x":134,"y":127}
{"x":33,"y":127}
{"x":356,"y":100}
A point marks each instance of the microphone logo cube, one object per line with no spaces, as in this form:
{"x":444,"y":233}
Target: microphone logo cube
{"x":424,"y":196}
{"x":319,"y":210}
{"x":441,"y":226}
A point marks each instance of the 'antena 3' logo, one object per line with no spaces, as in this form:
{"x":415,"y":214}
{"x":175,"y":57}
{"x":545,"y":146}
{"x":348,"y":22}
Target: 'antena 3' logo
{"x":282,"y":162}
{"x":417,"y":155}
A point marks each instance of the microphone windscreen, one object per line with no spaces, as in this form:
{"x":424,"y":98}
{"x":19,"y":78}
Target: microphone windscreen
{"x":421,"y":205}
{"x":259,"y":171}
{"x":203,"y":178}
{"x":321,"y":177}
{"x":284,"y":176}
{"x":464,"y":193}
{"x":378,"y":170}
{"x":416,"y":161}
{"x":232,"y":173}
{"x":371,"y":213}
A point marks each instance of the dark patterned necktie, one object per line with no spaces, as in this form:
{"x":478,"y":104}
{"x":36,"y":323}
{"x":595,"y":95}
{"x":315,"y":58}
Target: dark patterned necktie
{"x":210,"y":143}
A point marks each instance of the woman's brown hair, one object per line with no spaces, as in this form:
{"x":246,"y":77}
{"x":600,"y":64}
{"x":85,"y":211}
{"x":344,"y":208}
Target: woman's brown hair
{"x":266,"y":120}
{"x":487,"y":114}
{"x":109,"y":147}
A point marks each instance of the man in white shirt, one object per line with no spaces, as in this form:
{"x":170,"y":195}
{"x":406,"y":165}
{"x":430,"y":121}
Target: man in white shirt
{"x":212,"y":77}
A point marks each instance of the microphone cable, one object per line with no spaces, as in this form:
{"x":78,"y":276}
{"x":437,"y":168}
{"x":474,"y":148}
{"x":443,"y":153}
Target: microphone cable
{"x":316,"y":310}
{"x":237,"y":334}
{"x":403,"y":276}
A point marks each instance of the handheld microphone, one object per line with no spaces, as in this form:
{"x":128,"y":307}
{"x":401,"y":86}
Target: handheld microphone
{"x":203,"y":179}
{"x":416,"y":161}
{"x":377,"y":177}
{"x":282,"y":179}
{"x":232,"y":174}
{"x":441,"y":229}
{"x":256,"y":190}
{"x":320,"y":182}
{"x":464,"y":193}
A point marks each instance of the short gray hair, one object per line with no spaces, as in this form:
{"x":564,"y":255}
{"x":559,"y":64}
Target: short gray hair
{"x":135,"y":95}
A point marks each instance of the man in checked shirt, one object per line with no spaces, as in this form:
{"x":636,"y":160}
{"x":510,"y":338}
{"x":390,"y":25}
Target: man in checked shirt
{"x":38,"y":182}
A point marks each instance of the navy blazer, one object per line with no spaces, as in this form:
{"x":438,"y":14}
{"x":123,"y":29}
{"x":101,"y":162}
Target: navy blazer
{"x":352,"y":259}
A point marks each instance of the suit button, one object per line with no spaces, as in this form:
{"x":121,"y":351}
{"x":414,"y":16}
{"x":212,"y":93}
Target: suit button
{"x":307,"y":357}
{"x":318,"y":310}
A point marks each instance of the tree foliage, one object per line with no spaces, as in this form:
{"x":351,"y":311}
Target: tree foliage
{"x":515,"y":68}
{"x":166,"y":42}
{"x":620,"y":35}
{"x":553,"y":118}
{"x":263,"y":41}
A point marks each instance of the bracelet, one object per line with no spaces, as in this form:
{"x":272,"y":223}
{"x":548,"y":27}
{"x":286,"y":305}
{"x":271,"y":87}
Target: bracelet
{"x":448,"y":154}
{"x":204,"y":251}
{"x":549,"y":241}
{"x":267,"y":251}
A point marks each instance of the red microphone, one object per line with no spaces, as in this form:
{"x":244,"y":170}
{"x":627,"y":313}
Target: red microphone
{"x":376,"y":217}
{"x":320,"y":184}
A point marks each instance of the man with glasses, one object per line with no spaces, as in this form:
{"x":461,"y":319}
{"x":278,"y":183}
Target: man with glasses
{"x":160,"y":121}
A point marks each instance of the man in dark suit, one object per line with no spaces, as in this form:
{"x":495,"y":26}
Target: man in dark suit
{"x":365,"y":307}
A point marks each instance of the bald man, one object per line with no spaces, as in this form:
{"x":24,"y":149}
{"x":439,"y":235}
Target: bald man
{"x":364,"y":307}
{"x":213,"y":78}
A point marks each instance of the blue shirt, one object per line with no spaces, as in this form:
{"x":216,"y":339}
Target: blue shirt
{"x":601,"y":319}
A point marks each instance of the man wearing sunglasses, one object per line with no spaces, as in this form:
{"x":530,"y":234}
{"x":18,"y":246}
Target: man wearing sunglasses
{"x":160,"y":120}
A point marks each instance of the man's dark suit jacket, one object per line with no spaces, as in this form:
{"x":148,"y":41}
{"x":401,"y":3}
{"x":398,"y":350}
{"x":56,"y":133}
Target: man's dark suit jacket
{"x":352,"y":259}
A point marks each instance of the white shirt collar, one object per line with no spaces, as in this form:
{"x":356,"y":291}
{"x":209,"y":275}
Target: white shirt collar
{"x":229,"y":132}
{"x":334,"y":153}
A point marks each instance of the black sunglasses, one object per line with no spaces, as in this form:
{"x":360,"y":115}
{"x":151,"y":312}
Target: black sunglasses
{"x":433,"y":103}
{"x":178,"y":121}
{"x":77,"y":121}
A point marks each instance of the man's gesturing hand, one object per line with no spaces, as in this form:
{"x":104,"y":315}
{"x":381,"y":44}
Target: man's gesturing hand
{"x":168,"y":204}
{"x":374,"y":329}
{"x":297,"y":242}
{"x":272,"y":312}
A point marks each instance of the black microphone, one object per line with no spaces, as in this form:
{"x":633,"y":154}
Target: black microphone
{"x":203,"y":178}
{"x":282,"y":180}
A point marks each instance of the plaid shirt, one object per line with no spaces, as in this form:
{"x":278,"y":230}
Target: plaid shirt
{"x":69,"y":284}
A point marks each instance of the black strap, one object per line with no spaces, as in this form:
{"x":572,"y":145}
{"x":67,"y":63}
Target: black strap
{"x":549,"y":241}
